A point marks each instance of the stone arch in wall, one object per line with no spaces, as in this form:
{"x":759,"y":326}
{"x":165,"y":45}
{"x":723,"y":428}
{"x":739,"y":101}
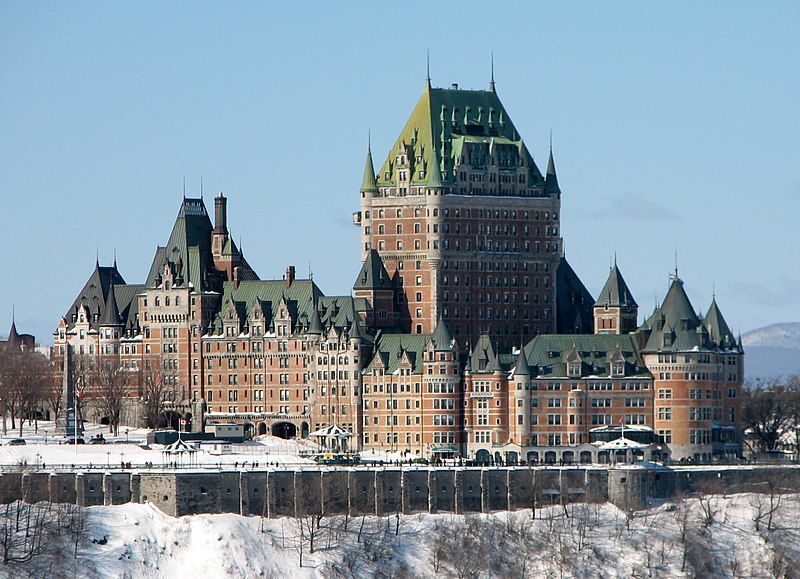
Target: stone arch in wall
{"x":261,"y":428}
{"x":285,"y":430}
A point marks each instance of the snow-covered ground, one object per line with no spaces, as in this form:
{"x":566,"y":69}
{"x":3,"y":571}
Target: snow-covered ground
{"x":43,"y":449}
{"x":674,"y":540}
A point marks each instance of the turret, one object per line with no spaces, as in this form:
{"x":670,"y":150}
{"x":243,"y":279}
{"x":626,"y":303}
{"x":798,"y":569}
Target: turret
{"x":615,"y":311}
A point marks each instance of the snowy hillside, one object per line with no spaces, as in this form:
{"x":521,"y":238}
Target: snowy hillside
{"x":772,"y":351}
{"x":717,"y":537}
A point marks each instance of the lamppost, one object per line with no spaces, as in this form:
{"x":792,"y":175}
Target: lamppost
{"x":108,"y":459}
{"x":126,"y":436}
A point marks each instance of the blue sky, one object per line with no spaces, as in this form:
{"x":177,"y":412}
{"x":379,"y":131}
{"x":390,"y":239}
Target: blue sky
{"x":675,"y":127}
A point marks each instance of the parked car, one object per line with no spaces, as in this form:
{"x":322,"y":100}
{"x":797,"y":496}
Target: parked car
{"x":73,"y":440}
{"x":96,"y":440}
{"x":16,"y":442}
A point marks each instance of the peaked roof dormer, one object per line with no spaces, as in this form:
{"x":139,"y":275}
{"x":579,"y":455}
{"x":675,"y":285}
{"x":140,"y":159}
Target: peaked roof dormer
{"x":373,"y":274}
{"x":615,"y":292}
{"x":315,"y":324}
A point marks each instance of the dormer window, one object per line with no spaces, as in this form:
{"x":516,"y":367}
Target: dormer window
{"x":617,"y":369}
{"x":574,"y":369}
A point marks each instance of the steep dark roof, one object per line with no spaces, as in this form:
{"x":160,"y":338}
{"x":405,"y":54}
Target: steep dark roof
{"x":551,"y":180}
{"x":94,"y":293}
{"x":615,"y":293}
{"x":442,"y":338}
{"x":111,"y":315}
{"x":675,"y":327}
{"x":315,"y":323}
{"x":373,"y":274}
{"x":573,"y":302}
{"x":717,"y":327}
{"x":188,"y":249}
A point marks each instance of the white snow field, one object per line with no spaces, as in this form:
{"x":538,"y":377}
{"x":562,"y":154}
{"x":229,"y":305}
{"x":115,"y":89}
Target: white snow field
{"x":713,"y":538}
{"x":43,"y":448}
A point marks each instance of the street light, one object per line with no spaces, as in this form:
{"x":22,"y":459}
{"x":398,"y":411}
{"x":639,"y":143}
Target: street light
{"x":126,"y":436}
{"x":108,"y":459}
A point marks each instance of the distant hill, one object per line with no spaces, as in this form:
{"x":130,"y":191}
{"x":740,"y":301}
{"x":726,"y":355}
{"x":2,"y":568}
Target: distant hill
{"x":772,"y":351}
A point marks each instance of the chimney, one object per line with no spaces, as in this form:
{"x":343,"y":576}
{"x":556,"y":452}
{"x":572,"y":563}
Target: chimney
{"x":221,"y":214}
{"x":236,"y":277}
{"x":289,"y":277}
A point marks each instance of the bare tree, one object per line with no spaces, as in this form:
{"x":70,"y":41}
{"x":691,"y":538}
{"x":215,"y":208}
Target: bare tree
{"x":154,"y":391}
{"x":766,"y":414}
{"x":110,"y":386}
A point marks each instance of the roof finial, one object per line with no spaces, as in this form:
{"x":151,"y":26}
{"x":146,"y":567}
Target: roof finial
{"x":551,"y":141}
{"x":491,"y":81}
{"x":676,"y":263}
{"x":428,"y":67}
{"x":115,"y":258}
{"x":13,"y":313}
{"x":201,"y":188}
{"x":713,"y":291}
{"x":97,"y":255}
{"x":184,"y":188}
{"x":615,"y":259}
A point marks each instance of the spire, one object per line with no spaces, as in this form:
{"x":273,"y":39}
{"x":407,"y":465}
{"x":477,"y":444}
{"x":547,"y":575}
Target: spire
{"x":13,"y":335}
{"x":115,"y":258}
{"x":355,"y":328}
{"x":428,"y":68}
{"x":111,"y":315}
{"x":521,"y":367}
{"x":551,"y":180}
{"x":315,"y":325}
{"x":368,"y":183}
{"x":491,"y":81}
{"x":435,"y":179}
{"x":442,"y":338}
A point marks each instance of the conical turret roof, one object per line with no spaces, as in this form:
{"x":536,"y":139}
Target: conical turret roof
{"x":521,"y":367}
{"x":551,"y":180}
{"x":111,"y":315}
{"x":442,"y":338}
{"x":716,"y":325}
{"x":615,"y":293}
{"x":368,"y":183}
{"x":315,"y":325}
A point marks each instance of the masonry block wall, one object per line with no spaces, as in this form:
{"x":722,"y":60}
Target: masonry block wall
{"x":364,"y":491}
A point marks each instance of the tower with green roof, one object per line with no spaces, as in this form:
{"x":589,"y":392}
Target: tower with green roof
{"x":464,"y":221}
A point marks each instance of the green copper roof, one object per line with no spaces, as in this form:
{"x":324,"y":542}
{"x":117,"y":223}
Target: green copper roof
{"x":440,"y":125}
{"x":441,"y":337}
{"x":717,"y":327}
{"x":547,"y":354}
{"x":391,"y":348}
{"x":368,"y":183}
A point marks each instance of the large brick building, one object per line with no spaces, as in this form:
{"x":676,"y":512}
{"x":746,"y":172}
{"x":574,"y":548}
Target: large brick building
{"x":467,"y":332}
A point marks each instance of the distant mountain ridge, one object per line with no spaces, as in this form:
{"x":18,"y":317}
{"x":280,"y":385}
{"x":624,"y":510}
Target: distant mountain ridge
{"x":772,"y":351}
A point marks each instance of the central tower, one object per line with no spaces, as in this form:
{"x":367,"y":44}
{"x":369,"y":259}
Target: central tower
{"x":464,"y":222}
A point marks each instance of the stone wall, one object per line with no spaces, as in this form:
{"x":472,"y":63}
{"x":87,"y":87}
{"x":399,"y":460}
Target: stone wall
{"x":370,"y":491}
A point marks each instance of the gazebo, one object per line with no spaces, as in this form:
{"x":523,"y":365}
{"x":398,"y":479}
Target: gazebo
{"x":623,"y":446}
{"x":333,"y":438}
{"x":178,"y":449}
